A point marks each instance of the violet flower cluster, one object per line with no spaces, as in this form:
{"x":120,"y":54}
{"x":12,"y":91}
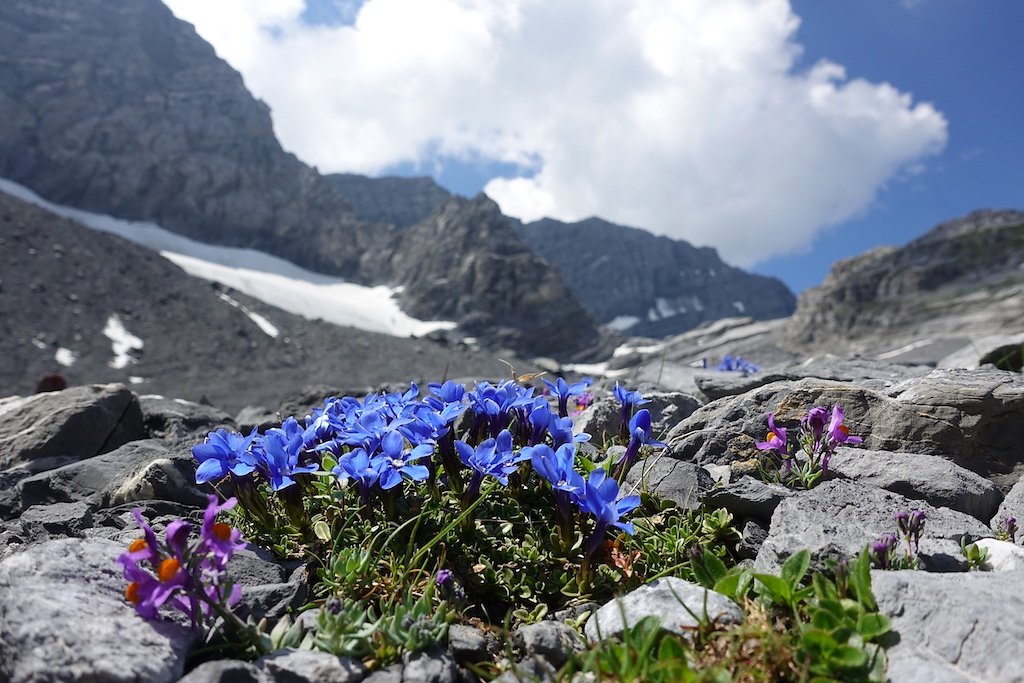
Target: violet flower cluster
{"x":821,"y":432}
{"x":1007,"y":530}
{"x":182,"y":571}
{"x":883,"y":551}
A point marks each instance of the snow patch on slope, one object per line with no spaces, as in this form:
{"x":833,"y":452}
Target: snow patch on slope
{"x":270,"y":279}
{"x":122,"y":342}
{"x":268,"y":327}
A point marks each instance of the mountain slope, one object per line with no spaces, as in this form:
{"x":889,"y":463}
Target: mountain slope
{"x":650,"y":285}
{"x":96,"y":308}
{"x":120,"y":108}
{"x":964,"y":276}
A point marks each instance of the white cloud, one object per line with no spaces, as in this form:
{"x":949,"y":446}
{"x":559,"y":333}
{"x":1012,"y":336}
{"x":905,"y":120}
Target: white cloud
{"x":686,"y":117}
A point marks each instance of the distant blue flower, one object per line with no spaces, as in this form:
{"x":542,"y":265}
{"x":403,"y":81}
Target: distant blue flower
{"x":224,"y":452}
{"x":600,"y":500}
{"x":395,"y":460}
{"x":737,"y":364}
{"x":563,"y":390}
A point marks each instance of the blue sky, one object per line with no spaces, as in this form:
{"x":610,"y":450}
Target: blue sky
{"x":735,"y":134}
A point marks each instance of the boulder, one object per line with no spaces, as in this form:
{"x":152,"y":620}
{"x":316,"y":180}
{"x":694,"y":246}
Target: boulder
{"x":552,"y":641}
{"x":175,"y":418}
{"x":76,"y":423}
{"x":748,"y":498}
{"x":681,"y":482}
{"x":971,"y":417}
{"x":305,"y":666}
{"x":953,"y":627}
{"x":930,"y":478}
{"x":1012,"y":505}
{"x":65,"y":618}
{"x":141,"y":470}
{"x":602,"y":419}
{"x":838,"y":518}
{"x":676,"y":603}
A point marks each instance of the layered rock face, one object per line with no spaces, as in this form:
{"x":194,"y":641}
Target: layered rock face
{"x":120,"y":108}
{"x":393,"y":200}
{"x":501,"y":293}
{"x":123,"y":109}
{"x":650,"y":285}
{"x":964,"y":275}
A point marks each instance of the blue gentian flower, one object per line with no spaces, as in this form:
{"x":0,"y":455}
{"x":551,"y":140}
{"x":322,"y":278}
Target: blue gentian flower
{"x":563,"y":390}
{"x":224,"y":452}
{"x":277,"y":458}
{"x":493,"y":457}
{"x":561,"y":432}
{"x":356,"y":465}
{"x":394,"y":460}
{"x":557,"y":467}
{"x":630,"y":400}
{"x":599,"y":500}
{"x":639,"y":435}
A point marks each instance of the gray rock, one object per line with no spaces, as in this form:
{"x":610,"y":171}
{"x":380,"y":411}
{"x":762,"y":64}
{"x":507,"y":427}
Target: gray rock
{"x":257,"y":417}
{"x":550,"y":640}
{"x":684,"y":483}
{"x":751,"y":539}
{"x":306,"y":666}
{"x":269,"y":589}
{"x":971,"y":417}
{"x":57,"y":519}
{"x":75,"y":423}
{"x":602,"y":418}
{"x":838,"y":518}
{"x":529,"y":670}
{"x":139,"y":470}
{"x":65,"y":618}
{"x":862,"y":372}
{"x":953,"y":627}
{"x":225,"y":671}
{"x":1003,"y":556}
{"x":748,"y":497}
{"x":922,"y":477}
{"x":430,"y":666}
{"x":677,"y":603}
{"x":176,"y":418}
{"x":392,"y":674}
{"x":1012,"y":505}
{"x":467,"y":644}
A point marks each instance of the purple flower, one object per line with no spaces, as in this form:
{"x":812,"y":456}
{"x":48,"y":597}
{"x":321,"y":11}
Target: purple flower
{"x":837,"y":431}
{"x":563,"y":390}
{"x":444,"y":578}
{"x":219,"y":539}
{"x":815,"y":422}
{"x":775,"y":439}
{"x":224,"y":452}
{"x":1010,"y":527}
{"x":883,"y":549}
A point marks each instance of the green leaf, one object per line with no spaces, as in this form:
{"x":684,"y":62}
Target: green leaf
{"x":795,"y":567}
{"x":743,"y":587}
{"x":777,"y":588}
{"x":848,"y":657}
{"x":818,"y":641}
{"x":823,"y":588}
{"x":322,"y":530}
{"x":824,"y":620}
{"x":860,"y":579}
{"x":870,"y":626}
{"x":727,"y":585}
{"x":716,"y":568}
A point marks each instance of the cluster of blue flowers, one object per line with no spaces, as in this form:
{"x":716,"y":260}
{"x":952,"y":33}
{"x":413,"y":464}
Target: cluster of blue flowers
{"x":737,"y":364}
{"x":381,"y":440}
